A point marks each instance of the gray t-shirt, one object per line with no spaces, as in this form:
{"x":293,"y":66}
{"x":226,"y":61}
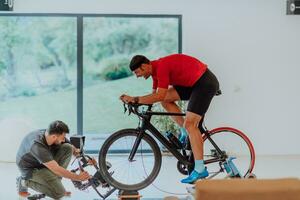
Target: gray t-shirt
{"x":33,"y":152}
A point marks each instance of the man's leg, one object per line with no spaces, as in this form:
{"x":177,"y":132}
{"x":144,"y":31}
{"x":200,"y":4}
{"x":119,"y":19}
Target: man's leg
{"x":170,"y":106}
{"x":63,"y":155}
{"x":203,"y":92}
{"x":46,"y":182}
{"x":191,"y":124}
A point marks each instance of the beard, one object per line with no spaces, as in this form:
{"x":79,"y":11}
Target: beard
{"x":57,"y":142}
{"x":146,"y":76}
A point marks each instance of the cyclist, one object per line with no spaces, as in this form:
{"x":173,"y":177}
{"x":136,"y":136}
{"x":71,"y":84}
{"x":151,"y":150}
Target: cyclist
{"x":179,"y":77}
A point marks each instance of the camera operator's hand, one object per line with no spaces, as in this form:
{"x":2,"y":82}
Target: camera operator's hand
{"x":76,"y":152}
{"x":92,"y":161}
{"x":83,"y":176}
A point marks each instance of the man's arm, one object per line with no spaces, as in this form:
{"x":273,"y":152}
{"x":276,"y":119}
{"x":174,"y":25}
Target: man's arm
{"x":156,"y":96}
{"x":60,"y":171}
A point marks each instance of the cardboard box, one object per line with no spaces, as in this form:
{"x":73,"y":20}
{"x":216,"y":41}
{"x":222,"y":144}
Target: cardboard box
{"x":248,"y":189}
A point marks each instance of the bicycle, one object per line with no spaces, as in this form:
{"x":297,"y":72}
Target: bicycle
{"x":137,"y":150}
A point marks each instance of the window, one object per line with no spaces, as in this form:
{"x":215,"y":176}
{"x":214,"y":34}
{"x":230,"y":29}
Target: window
{"x":38,"y":70}
{"x":109,"y":44}
{"x":74,"y":67}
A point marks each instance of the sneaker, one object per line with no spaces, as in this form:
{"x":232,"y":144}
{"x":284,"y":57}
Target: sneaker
{"x":36,"y":196}
{"x":194,"y":176}
{"x":21,"y":187}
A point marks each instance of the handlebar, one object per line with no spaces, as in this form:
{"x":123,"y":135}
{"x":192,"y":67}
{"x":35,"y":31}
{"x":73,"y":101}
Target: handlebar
{"x":134,"y":108}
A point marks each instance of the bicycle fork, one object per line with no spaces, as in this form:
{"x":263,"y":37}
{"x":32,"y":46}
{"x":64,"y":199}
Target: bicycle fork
{"x":135,"y":146}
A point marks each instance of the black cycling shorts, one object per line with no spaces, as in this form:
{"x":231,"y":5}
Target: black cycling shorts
{"x":200,"y":94}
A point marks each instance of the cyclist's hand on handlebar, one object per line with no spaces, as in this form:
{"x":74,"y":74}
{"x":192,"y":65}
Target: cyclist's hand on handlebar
{"x":126,"y":99}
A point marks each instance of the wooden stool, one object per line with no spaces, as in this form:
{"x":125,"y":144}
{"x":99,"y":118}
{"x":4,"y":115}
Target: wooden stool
{"x":248,"y":189}
{"x":129,"y":195}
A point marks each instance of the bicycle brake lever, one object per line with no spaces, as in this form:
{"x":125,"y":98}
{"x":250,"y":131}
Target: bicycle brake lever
{"x":125,"y":108}
{"x":129,"y":110}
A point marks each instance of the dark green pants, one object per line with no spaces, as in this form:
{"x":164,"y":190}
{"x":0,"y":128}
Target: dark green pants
{"x":48,"y":183}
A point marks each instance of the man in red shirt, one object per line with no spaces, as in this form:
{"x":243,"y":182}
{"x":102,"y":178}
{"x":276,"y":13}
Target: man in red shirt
{"x":179,"y":77}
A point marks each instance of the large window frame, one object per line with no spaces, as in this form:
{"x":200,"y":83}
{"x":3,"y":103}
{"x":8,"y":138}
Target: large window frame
{"x":80,"y":18}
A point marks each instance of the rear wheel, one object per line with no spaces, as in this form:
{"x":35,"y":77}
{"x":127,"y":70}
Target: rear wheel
{"x":233,"y":143}
{"x":125,"y":174}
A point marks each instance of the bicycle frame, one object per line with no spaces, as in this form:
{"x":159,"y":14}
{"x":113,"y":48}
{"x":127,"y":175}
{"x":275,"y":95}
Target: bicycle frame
{"x":146,"y":125}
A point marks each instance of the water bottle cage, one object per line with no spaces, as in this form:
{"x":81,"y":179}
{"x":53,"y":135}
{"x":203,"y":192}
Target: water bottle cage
{"x":174,"y":140}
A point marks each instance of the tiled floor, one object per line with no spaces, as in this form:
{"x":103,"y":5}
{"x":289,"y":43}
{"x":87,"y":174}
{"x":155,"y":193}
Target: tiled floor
{"x":168,"y":179}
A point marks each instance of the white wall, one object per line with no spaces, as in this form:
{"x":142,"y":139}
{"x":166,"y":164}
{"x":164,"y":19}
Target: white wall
{"x":250,"y":44}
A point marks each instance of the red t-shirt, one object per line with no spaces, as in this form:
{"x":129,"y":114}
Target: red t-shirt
{"x":176,"y":69}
